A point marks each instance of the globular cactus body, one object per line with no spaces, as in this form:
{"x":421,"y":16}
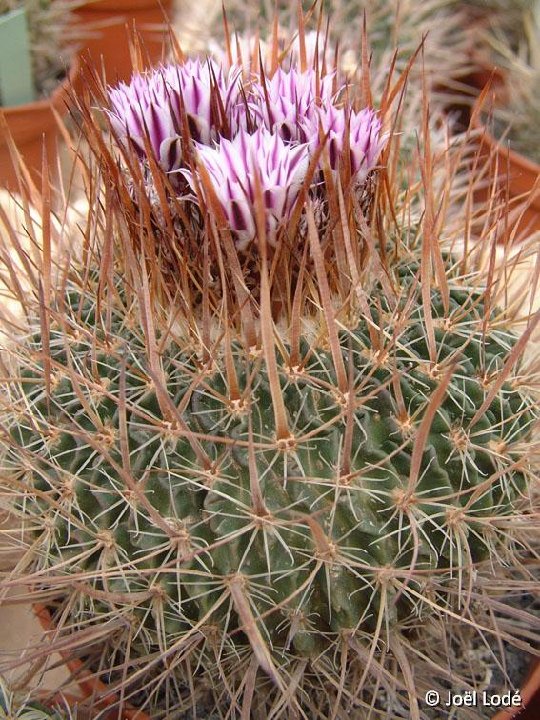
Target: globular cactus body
{"x":196,"y":511}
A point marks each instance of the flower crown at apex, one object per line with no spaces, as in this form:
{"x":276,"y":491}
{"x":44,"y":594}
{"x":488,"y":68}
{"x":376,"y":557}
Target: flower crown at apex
{"x":242,"y":125}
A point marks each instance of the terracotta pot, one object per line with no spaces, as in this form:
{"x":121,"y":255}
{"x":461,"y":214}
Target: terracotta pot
{"x":106,"y":27}
{"x":516,"y":176}
{"x":530,"y":698}
{"x":513,"y":175}
{"x":90,"y":686}
{"x":31,"y":126}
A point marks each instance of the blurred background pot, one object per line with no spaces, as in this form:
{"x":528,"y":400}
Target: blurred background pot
{"x":484,"y":92}
{"x":106,"y":26}
{"x":32,"y":126}
{"x":530,"y":697}
{"x":515,"y":177}
{"x":510,"y":141}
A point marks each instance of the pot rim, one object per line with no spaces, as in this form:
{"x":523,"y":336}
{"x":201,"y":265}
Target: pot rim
{"x":118,"y":7}
{"x":494,"y":76}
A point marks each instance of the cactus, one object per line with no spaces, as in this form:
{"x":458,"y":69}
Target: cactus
{"x":263,"y":455}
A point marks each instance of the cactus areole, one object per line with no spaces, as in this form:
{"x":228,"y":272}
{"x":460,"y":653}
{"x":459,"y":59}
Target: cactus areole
{"x":288,"y":478}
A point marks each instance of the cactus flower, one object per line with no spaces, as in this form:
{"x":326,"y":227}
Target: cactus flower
{"x":144,"y":109}
{"x":365,"y":138}
{"x":151,"y":106}
{"x":195,"y":83}
{"x":289,"y":102}
{"x":265,"y":125}
{"x":232,"y":166}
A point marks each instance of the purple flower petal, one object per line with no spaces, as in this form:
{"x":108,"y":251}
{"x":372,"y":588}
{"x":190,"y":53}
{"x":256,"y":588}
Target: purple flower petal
{"x":151,"y":105}
{"x":233,"y":166}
